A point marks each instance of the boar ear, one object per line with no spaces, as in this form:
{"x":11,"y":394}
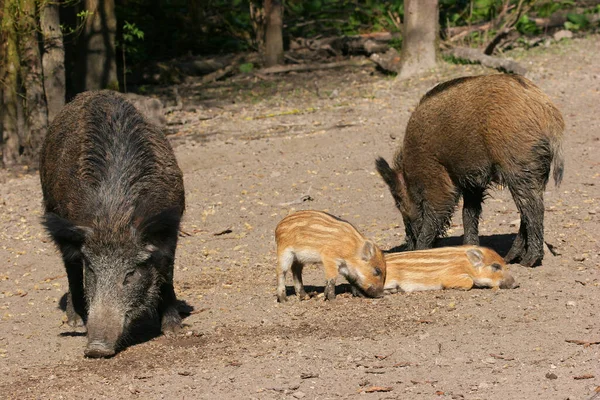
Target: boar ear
{"x":64,"y":232}
{"x":390,"y":177}
{"x":368,"y":251}
{"x":393,"y":177}
{"x":161,"y":229}
{"x":475,"y":257}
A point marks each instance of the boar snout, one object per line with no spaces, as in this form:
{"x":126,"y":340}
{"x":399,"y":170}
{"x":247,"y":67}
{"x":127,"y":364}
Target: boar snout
{"x":508,"y":283}
{"x":374,"y":291}
{"x":104,"y":327}
{"x":98,"y":349}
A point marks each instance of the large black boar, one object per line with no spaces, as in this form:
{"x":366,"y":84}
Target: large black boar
{"x":114,"y":197}
{"x":464,"y":135}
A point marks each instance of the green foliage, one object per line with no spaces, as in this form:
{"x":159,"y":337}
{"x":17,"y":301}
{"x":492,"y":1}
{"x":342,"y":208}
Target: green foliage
{"x":246,"y":68}
{"x":130,"y":43}
{"x":548,"y":8}
{"x":576,"y":22}
{"x":342,"y":17}
{"x":526,"y":26}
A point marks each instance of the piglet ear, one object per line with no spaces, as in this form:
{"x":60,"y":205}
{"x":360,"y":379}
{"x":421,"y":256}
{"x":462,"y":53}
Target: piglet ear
{"x":66,"y":234}
{"x":475,"y":257}
{"x":160,"y":230}
{"x":368,"y":251}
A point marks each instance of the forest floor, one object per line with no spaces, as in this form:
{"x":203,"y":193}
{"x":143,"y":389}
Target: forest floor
{"x":250,"y":149}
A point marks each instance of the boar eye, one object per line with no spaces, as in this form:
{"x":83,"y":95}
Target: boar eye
{"x":496,"y":267}
{"x":377,"y":271}
{"x":129,"y":276}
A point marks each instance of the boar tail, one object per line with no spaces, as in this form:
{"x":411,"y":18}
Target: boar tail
{"x":558,"y":162}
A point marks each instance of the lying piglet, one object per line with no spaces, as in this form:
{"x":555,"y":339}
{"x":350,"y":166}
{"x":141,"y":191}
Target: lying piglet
{"x":460,"y":267}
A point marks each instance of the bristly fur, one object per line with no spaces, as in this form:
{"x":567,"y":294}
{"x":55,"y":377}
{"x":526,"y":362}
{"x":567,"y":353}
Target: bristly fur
{"x":466,"y":135}
{"x":114,"y":196}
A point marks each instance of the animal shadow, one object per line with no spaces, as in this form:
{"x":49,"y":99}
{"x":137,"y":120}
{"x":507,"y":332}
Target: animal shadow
{"x":141,"y":330}
{"x":500,"y":243}
{"x":314,"y":291}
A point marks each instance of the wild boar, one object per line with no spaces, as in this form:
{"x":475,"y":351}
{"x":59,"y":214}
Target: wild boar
{"x":459,"y":267}
{"x":306,"y":237}
{"x":465,"y":135}
{"x":113,"y":197}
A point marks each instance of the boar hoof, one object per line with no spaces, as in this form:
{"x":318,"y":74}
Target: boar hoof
{"x":75,"y":321}
{"x":171,"y":321}
{"x":281,"y":298}
{"x":531,"y":261}
{"x":356,"y":292}
{"x":98,"y":350}
{"x":303,"y":296}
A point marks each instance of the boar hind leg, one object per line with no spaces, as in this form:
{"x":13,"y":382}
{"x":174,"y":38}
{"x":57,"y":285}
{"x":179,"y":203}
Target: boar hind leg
{"x":298,"y":285}
{"x":284,"y":263}
{"x":76,"y":310}
{"x":528,"y":246}
{"x":472,"y":200}
{"x":170,"y":318}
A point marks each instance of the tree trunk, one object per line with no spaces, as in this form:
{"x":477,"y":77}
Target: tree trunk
{"x":96,"y":58}
{"x":35,"y":107}
{"x":9,"y":75}
{"x":53,"y":59}
{"x":420,"y":34}
{"x":273,"y":33}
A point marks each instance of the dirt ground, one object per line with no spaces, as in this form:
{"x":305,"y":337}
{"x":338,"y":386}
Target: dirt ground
{"x":250,"y":150}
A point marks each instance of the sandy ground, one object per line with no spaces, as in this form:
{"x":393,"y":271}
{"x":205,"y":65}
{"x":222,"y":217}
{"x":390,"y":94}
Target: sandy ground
{"x":249,"y":148}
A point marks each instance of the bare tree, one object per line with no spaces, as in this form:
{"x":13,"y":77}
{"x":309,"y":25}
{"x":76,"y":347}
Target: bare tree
{"x":53,"y":58}
{"x":35,"y":107}
{"x":273,"y":33}
{"x":10,"y":116}
{"x":96,"y":58}
{"x":420,"y":35}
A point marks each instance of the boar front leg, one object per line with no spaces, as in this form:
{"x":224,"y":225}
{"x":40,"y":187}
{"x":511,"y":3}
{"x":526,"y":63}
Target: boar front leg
{"x":171,"y":320}
{"x":472,"y":200}
{"x":76,"y":309}
{"x":331,"y":273}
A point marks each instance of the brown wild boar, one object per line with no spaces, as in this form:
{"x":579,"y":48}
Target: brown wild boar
{"x":465,"y":135}
{"x":306,"y":237}
{"x":459,"y":267}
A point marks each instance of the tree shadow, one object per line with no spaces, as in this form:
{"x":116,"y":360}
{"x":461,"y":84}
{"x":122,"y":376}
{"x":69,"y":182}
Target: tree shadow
{"x":140,"y":331}
{"x":500,"y":243}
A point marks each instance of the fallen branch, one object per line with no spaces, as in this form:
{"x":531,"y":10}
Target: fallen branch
{"x":476,"y":56}
{"x":215,"y":76}
{"x":300,"y":200}
{"x":581,"y":342}
{"x":279,"y":69}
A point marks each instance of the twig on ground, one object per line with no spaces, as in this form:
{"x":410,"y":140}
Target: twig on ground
{"x":279,"y":69}
{"x":476,"y":56}
{"x":300,"y":200}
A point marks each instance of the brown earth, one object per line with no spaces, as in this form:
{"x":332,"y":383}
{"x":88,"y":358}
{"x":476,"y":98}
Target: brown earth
{"x":249,"y":148}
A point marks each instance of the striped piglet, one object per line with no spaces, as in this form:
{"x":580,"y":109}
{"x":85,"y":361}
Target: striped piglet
{"x":306,"y":237}
{"x":460,"y":267}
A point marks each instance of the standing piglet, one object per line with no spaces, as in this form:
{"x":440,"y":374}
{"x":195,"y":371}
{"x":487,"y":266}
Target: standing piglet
{"x":308,"y":237}
{"x":459,"y":267}
{"x":464,"y":135}
{"x":113,"y":196}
